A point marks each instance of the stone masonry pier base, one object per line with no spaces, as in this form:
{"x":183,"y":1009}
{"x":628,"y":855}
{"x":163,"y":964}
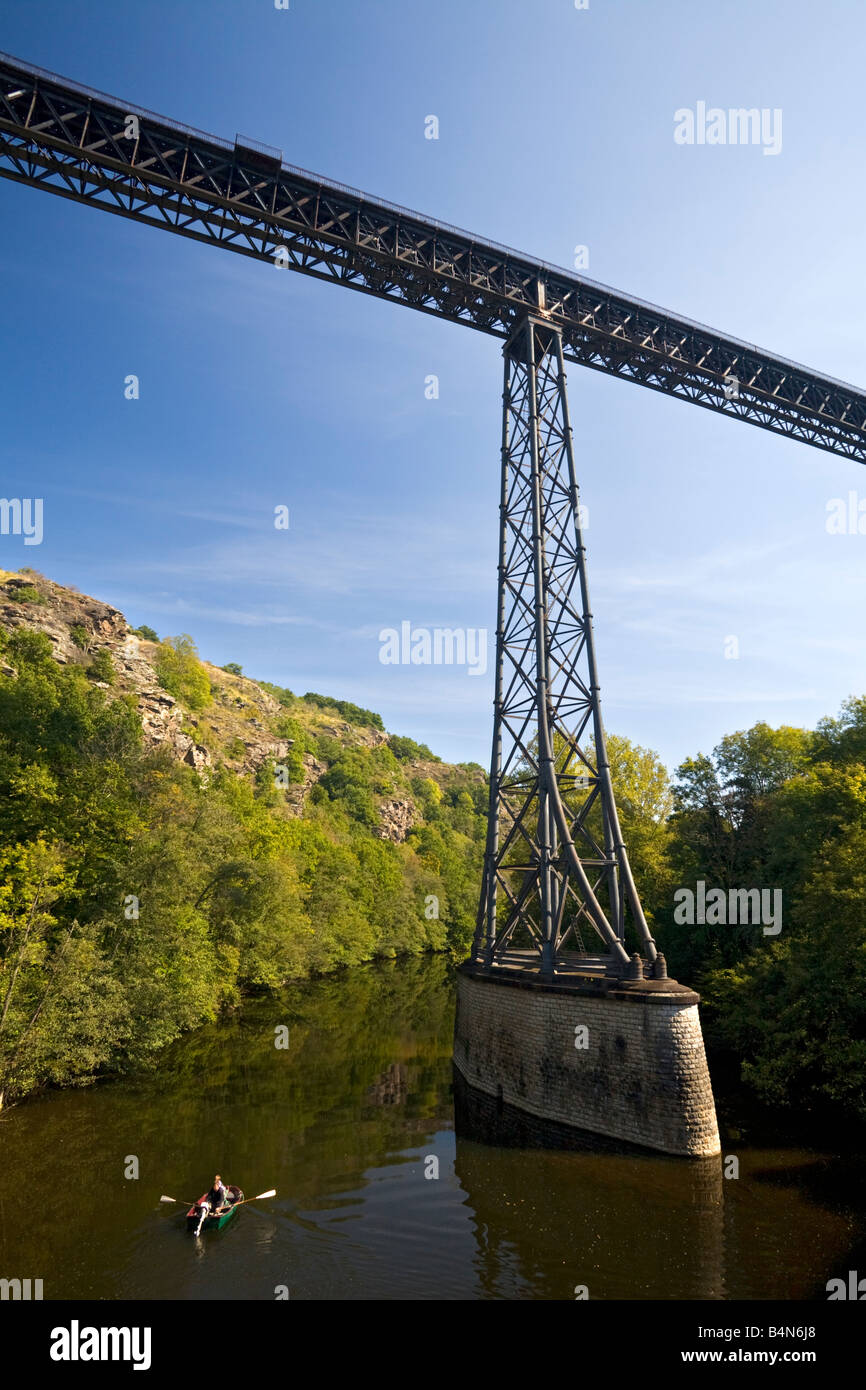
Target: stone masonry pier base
{"x":615,"y":1058}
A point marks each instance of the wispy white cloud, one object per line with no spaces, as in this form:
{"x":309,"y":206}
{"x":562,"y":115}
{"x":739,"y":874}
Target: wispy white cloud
{"x":366,"y":554}
{"x":181,"y":608}
{"x":256,"y":519}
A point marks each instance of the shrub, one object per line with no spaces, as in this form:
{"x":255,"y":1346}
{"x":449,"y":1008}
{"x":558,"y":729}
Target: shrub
{"x":294,"y":764}
{"x":280,"y":693}
{"x":27,"y":593}
{"x":407,"y":750}
{"x":353,"y":714}
{"x":146,"y":632}
{"x":101,"y":668}
{"x":180,"y":672}
{"x":29,"y":648}
{"x":233,"y":668}
{"x":287,"y":727}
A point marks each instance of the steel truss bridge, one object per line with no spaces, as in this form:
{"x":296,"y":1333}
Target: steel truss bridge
{"x":556,"y":871}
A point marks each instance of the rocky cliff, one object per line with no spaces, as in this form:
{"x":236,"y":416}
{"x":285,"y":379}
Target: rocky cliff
{"x":239,"y":729}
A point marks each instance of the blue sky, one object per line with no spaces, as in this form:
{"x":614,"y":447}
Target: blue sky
{"x":258,"y":389}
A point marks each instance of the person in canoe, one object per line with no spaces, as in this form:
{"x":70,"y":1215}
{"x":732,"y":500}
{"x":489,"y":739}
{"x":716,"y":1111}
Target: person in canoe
{"x":217,"y":1197}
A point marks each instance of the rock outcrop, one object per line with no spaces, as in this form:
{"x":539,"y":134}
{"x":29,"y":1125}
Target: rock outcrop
{"x":79,"y":627}
{"x":242,"y":727}
{"x":396,"y":819}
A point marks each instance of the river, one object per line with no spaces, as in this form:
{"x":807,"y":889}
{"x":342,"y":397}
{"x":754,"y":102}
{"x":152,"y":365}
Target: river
{"x":350,"y":1122}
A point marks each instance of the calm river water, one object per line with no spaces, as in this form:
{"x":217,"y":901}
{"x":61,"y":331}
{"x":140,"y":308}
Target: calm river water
{"x":344,"y":1123}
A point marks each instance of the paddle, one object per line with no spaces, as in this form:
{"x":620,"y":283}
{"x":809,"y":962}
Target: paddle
{"x":204,"y":1209}
{"x":271,"y":1192}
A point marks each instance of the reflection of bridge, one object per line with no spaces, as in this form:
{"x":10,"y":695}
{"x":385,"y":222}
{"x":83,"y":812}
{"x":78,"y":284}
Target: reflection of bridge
{"x":557,"y":875}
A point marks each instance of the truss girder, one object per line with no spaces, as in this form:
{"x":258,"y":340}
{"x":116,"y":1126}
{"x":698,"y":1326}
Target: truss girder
{"x":69,"y":140}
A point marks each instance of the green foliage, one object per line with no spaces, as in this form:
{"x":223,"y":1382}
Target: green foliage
{"x":407,"y":750}
{"x":28,"y":647}
{"x":280,"y":693}
{"x":146,"y":632}
{"x":843,"y":739}
{"x":644,"y":804}
{"x":429,"y":794}
{"x":294,"y":761}
{"x":795,"y":1011}
{"x":237,"y":891}
{"x":291,"y":729}
{"x":356,"y":778}
{"x":233,"y":668}
{"x":81,"y":637}
{"x":26,"y":593}
{"x":181,"y":673}
{"x":101,"y":668}
{"x":353,"y":714}
{"x":782,"y":809}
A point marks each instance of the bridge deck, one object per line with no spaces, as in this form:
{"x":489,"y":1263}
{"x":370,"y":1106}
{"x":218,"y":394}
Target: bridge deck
{"x":78,"y":143}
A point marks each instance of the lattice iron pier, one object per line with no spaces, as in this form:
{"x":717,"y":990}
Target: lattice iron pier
{"x":556,"y":871}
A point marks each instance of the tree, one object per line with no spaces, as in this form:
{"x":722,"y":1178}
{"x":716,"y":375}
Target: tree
{"x":795,"y":1010}
{"x":725,"y":830}
{"x":644,"y":803}
{"x":843,"y":739}
{"x":32,"y":878}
